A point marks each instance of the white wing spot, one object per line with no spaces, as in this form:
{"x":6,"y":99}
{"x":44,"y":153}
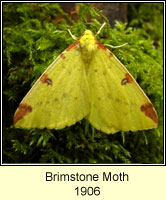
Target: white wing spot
{"x":77,"y":52}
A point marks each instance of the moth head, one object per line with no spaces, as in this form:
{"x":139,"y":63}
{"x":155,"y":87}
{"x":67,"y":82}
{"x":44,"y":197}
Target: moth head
{"x":87,"y":41}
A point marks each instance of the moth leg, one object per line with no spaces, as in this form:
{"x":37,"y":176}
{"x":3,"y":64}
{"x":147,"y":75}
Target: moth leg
{"x":74,"y":37}
{"x":98,"y":32}
{"x":111,"y":46}
{"x":115,"y":47}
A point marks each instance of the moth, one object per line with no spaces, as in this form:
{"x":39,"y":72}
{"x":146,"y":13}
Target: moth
{"x":86,"y":81}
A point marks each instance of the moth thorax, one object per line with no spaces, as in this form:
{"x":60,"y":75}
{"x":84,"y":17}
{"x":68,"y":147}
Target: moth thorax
{"x":87,"y":45}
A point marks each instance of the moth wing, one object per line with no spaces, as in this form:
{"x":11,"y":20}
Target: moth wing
{"x":117,"y":101}
{"x":59,"y":98}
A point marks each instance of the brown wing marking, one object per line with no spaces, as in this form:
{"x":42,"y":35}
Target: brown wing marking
{"x":149,"y":111}
{"x":23,"y":110}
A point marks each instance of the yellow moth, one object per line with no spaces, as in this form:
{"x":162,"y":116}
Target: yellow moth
{"x":86,"y":81}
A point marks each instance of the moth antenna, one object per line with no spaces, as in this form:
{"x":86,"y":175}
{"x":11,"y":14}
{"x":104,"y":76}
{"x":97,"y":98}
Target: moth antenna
{"x":98,"y":32}
{"x":74,"y":37}
{"x":115,"y":47}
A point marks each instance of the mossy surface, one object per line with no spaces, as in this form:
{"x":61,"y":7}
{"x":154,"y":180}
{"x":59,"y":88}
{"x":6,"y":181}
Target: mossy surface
{"x":34,"y":34}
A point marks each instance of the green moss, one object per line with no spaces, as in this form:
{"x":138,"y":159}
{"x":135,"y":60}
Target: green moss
{"x":33,"y":39}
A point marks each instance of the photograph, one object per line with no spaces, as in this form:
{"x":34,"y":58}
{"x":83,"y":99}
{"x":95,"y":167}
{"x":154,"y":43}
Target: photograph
{"x":82,"y":83}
